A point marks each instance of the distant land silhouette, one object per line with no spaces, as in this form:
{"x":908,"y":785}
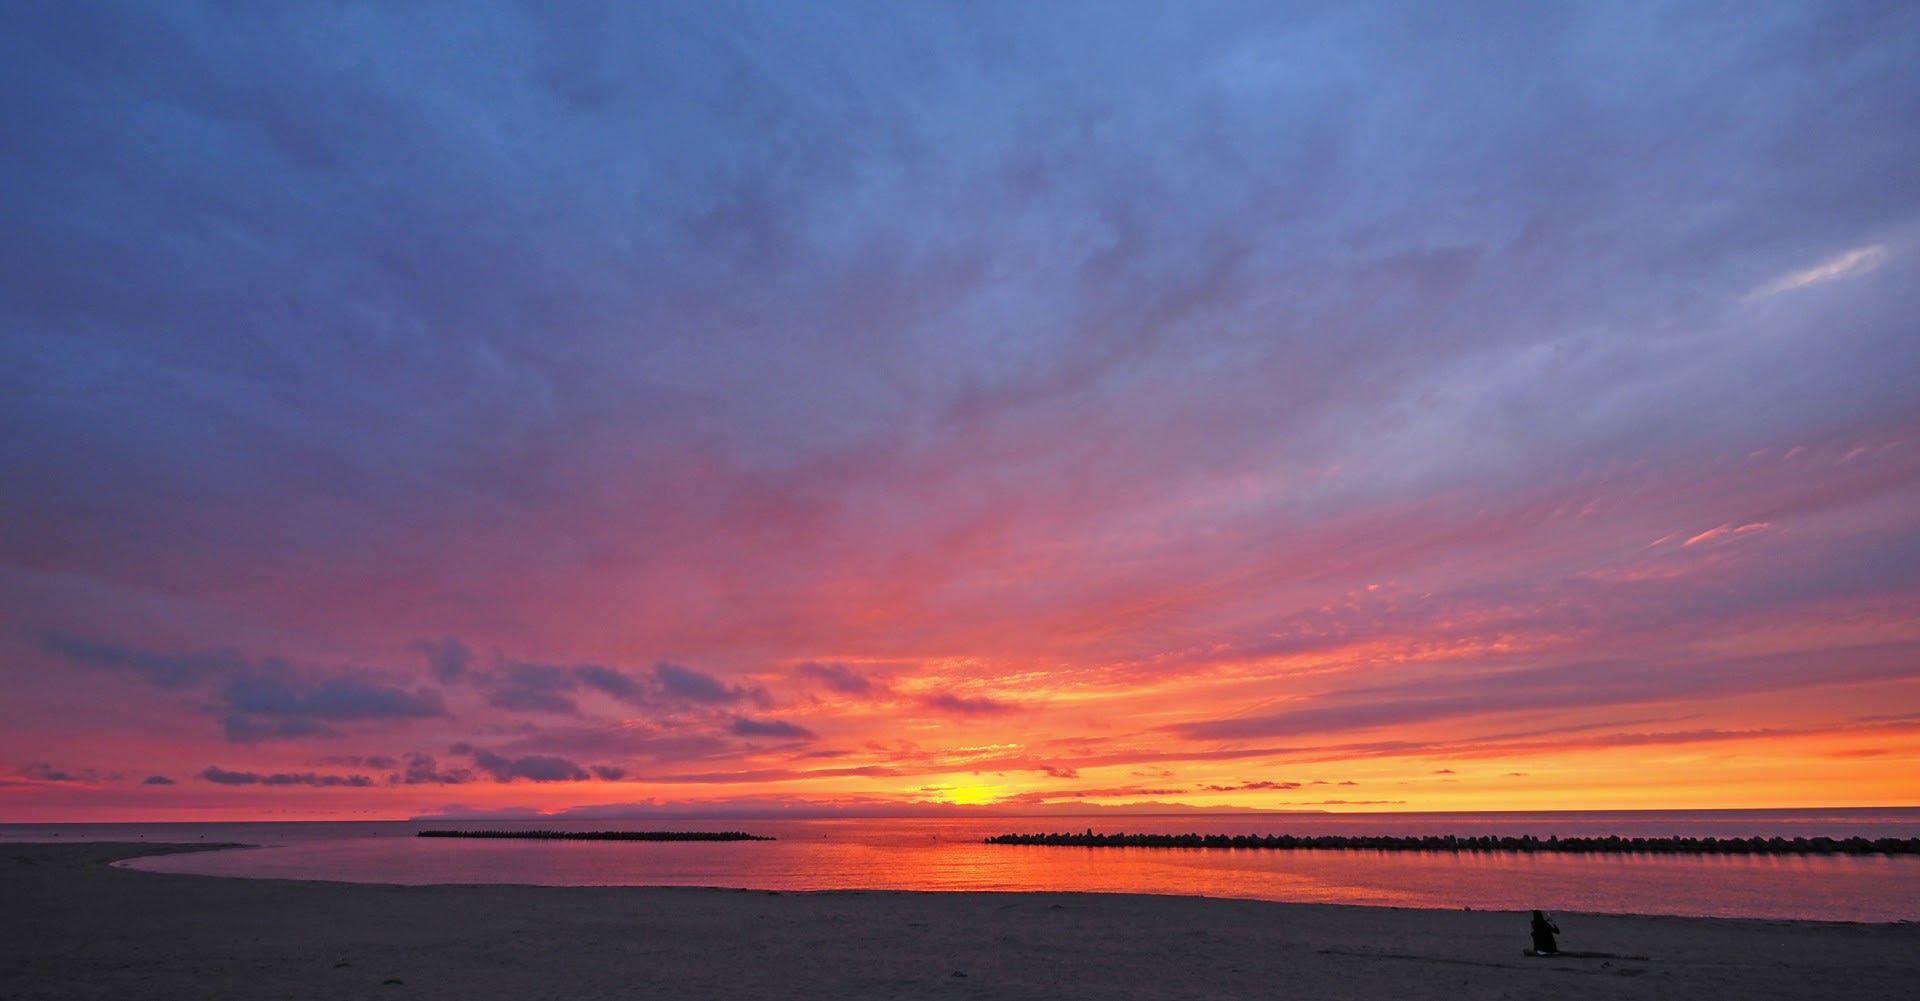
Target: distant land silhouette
{"x":1486,"y":843}
{"x":602,"y":835}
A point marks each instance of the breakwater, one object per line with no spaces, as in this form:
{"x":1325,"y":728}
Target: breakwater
{"x":1486,"y":843}
{"x":601,"y":835}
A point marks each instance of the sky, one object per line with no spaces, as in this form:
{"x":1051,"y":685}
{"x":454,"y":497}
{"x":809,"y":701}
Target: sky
{"x":419,"y":410}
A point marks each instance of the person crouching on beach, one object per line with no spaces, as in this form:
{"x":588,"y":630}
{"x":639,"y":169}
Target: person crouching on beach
{"x":1543,"y":932}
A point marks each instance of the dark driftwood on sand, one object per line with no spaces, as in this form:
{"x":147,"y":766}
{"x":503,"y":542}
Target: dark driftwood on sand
{"x":1450,"y":843}
{"x":602,"y":835}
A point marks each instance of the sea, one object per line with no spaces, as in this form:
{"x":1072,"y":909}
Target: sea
{"x":949,"y":854}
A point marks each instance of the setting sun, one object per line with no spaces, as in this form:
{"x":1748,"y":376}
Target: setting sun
{"x":971,"y":795}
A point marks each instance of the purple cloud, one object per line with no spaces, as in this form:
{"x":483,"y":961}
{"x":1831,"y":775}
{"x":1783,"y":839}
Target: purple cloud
{"x":257,"y":700}
{"x":965,"y":706}
{"x":276,"y":693}
{"x":222,"y":776}
{"x":422,"y":769}
{"x":448,"y":658}
{"x":250,"y":730}
{"x":618,"y":684}
{"x":744,"y":726}
{"x":41,"y":771}
{"x":532,"y":767}
{"x":678,"y":682}
{"x":165,"y":670}
{"x":534,"y":688}
{"x":665,"y":689}
{"x":840,"y":678}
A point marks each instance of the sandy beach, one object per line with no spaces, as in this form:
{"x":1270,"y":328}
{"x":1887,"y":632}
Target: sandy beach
{"x":72,"y":926}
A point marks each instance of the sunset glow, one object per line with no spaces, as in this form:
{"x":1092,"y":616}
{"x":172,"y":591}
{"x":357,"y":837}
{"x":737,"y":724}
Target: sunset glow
{"x":479,"y":411}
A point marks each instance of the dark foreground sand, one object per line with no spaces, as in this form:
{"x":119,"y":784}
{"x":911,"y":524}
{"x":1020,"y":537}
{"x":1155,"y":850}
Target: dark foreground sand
{"x":73,"y":927}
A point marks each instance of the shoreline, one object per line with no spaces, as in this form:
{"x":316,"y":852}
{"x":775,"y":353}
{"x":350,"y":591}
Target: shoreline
{"x":189,"y":849}
{"x":1844,"y":888}
{"x":77,"y":926}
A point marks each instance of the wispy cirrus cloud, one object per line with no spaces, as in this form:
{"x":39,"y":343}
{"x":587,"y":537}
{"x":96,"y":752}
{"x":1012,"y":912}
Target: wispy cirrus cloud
{"x":1859,"y":261}
{"x":1557,"y":686}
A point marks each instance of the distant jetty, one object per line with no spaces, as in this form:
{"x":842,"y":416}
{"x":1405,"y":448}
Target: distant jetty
{"x":602,"y":835}
{"x":1611,"y":845}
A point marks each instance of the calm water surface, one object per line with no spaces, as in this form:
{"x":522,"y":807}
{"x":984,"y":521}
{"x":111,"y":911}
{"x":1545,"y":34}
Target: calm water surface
{"x":947,"y":854}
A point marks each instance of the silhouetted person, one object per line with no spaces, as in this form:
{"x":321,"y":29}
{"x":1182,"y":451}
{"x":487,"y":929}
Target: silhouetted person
{"x":1543,"y":932}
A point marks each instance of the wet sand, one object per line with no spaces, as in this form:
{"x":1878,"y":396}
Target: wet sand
{"x":71,"y":926}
